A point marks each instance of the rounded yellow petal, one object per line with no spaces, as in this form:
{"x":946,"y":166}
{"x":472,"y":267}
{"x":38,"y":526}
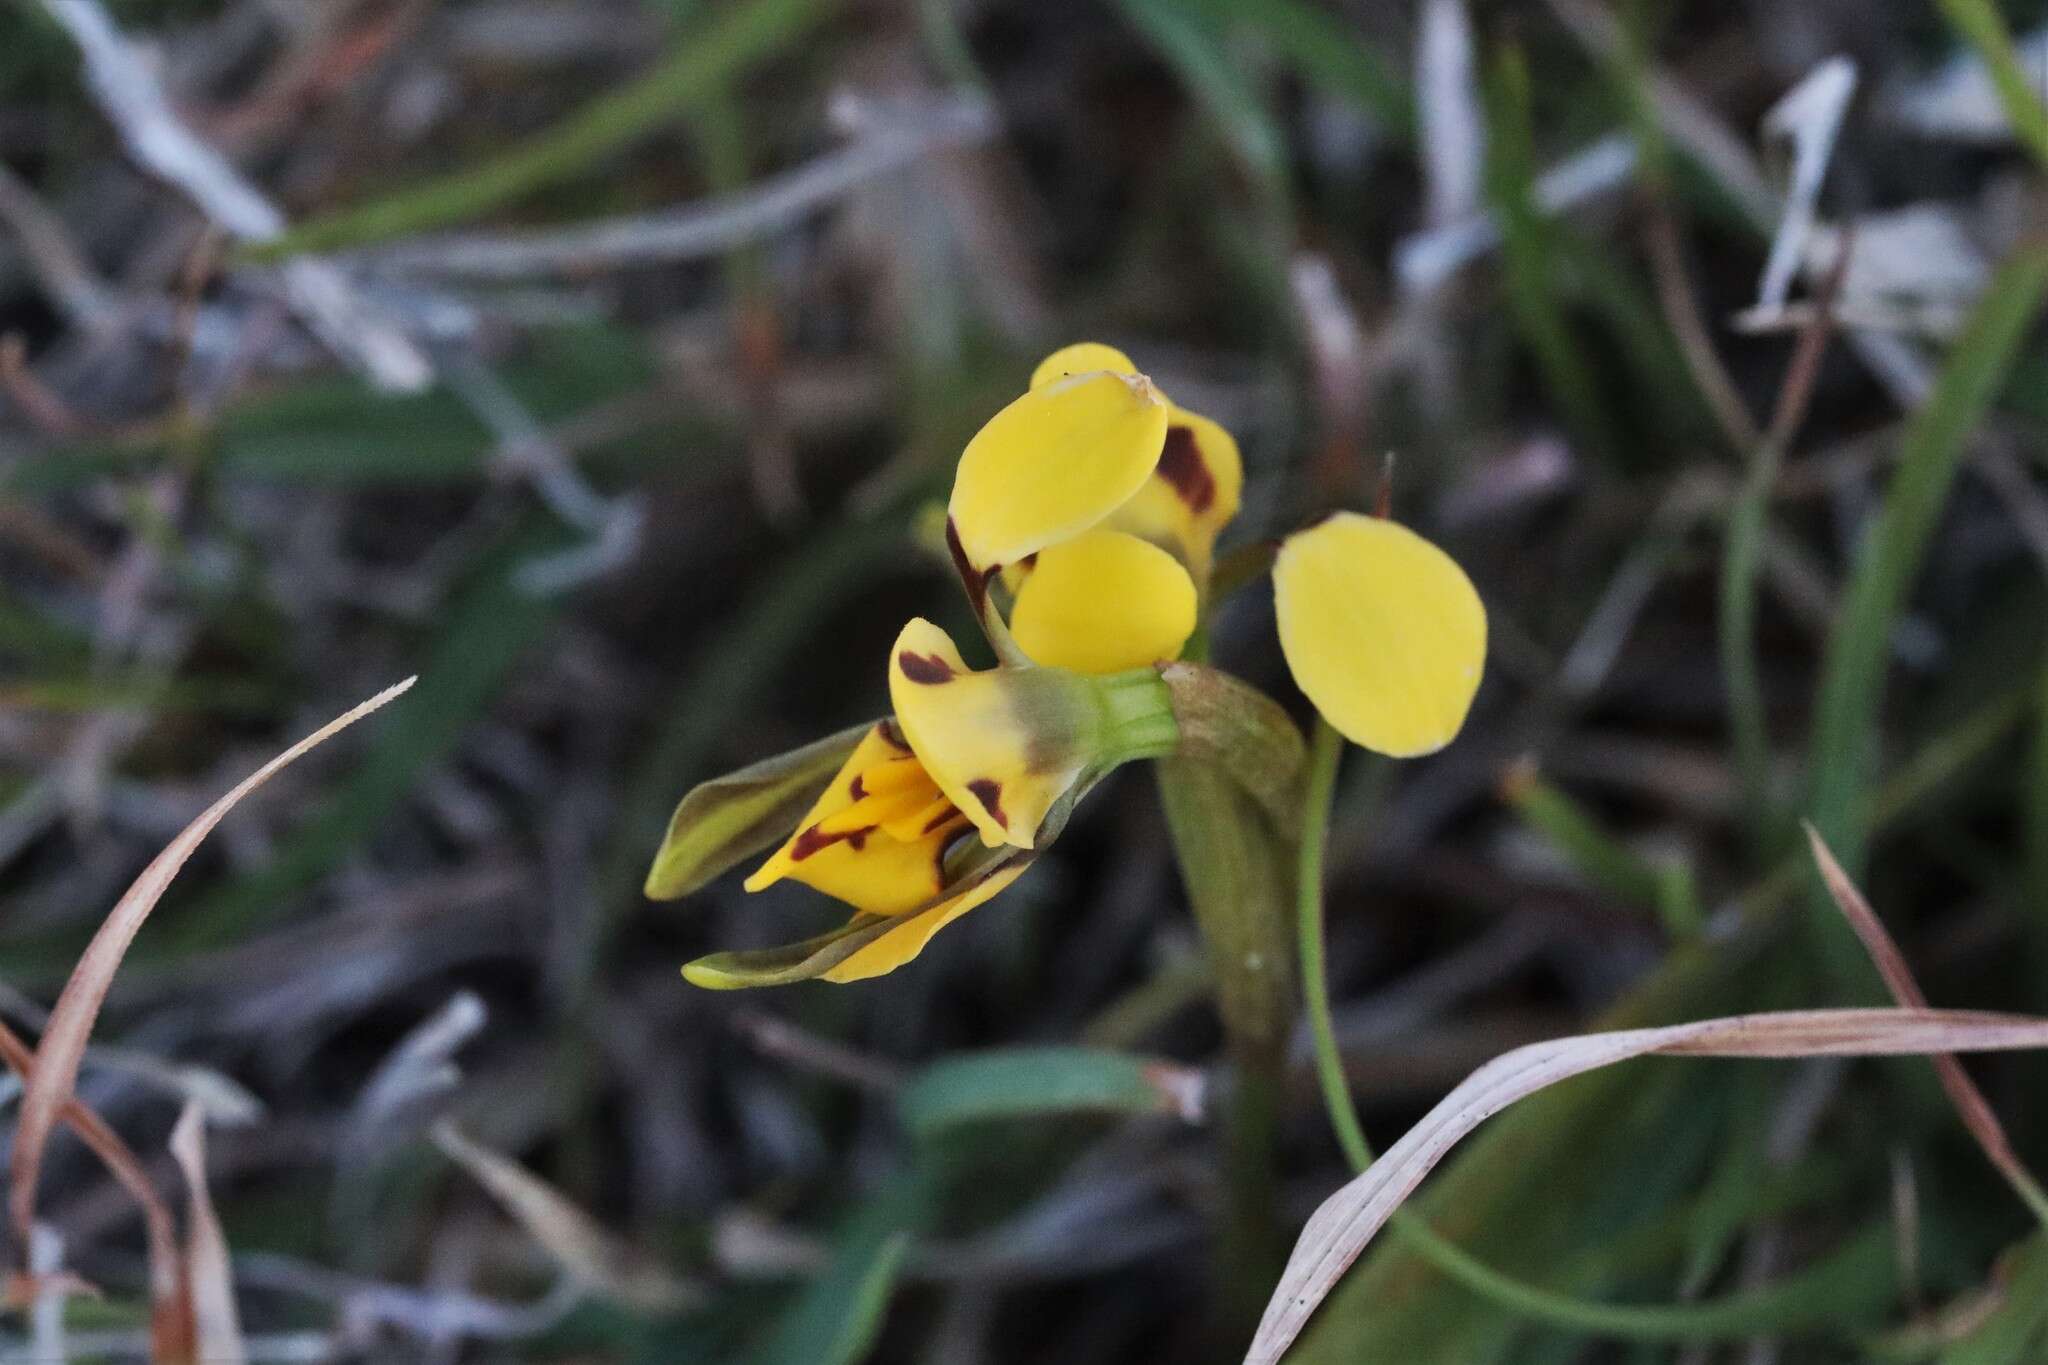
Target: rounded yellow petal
{"x":906,"y":941}
{"x":1104,"y":602}
{"x":1055,"y":462}
{"x":1382,"y":630}
{"x":1080,"y":358}
{"x":1002,"y":767}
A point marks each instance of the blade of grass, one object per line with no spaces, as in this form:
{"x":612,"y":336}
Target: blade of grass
{"x":1194,"y":48}
{"x":700,"y":64}
{"x":1025,"y":1081}
{"x":1852,"y":675}
{"x":1328,"y":53}
{"x":1606,"y":862}
{"x":1979,"y":23}
{"x":838,"y":1318}
{"x":63,"y":1042}
{"x":1525,"y":251}
{"x":1962,"y":1092}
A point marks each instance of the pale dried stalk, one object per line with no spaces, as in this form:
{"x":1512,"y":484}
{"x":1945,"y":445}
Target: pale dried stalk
{"x":1346,"y":1222}
{"x":217,"y":1326}
{"x":63,"y":1043}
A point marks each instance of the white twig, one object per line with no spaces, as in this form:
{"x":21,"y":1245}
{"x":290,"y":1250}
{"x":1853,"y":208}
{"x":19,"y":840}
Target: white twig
{"x":125,"y":83}
{"x":1447,"y":108}
{"x":1426,"y":259}
{"x":700,"y":229}
{"x":1810,"y":118}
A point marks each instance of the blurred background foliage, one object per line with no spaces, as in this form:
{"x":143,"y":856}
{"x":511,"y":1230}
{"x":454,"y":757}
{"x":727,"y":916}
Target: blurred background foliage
{"x":662,"y":320}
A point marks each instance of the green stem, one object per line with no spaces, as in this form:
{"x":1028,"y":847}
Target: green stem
{"x":1790,"y":1302}
{"x":1326,"y":746}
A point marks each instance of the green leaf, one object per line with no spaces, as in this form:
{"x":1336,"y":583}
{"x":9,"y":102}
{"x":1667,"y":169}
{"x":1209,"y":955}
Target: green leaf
{"x":729,"y":819}
{"x":838,"y":1318}
{"x":1853,"y":673}
{"x":1025,"y":1082}
{"x":700,"y":65}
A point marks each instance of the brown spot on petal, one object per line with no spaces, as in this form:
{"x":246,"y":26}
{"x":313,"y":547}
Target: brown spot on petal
{"x":989,"y":792}
{"x":973,"y":579}
{"x":855,"y":789}
{"x":928,"y":669}
{"x":940,"y":821}
{"x":1181,"y":464}
{"x":813,"y":840}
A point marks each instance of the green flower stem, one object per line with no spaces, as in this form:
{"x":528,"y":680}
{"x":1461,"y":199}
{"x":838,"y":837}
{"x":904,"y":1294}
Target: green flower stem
{"x":1137,"y":716}
{"x":1854,"y":1266}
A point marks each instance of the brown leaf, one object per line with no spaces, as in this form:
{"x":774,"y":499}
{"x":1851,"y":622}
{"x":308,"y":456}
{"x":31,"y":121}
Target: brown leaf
{"x":1963,"y":1093}
{"x":63,"y":1043}
{"x":171,"y":1308}
{"x":1346,"y":1222}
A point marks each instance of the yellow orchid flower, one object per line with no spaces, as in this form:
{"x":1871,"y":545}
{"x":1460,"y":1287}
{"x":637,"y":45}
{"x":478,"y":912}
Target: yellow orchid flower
{"x":1003,"y":753}
{"x":1099,"y":501}
{"x":1382,"y":631}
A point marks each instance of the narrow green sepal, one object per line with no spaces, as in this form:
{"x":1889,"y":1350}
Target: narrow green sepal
{"x":729,"y":819}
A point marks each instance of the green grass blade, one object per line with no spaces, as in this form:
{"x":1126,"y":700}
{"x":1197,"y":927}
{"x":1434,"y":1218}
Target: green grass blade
{"x":838,"y":1317}
{"x":1979,"y":23}
{"x":1195,"y":50}
{"x":1026,"y":1082}
{"x":1327,"y":54}
{"x":1852,"y":675}
{"x":1530,"y":276}
{"x":699,"y":66}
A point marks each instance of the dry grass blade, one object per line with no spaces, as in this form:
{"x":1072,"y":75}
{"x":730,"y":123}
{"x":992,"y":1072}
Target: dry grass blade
{"x":171,"y":1308}
{"x":212,"y":1283}
{"x":1347,"y":1221}
{"x":1962,"y":1092}
{"x":588,"y":1253}
{"x":63,"y":1043}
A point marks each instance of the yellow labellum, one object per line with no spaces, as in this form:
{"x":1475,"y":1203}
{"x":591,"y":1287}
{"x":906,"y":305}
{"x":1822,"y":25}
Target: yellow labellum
{"x":876,"y":838}
{"x":899,"y":945}
{"x":968,"y":732}
{"x":1104,"y":602}
{"x":1382,"y":630}
{"x":1055,"y":462}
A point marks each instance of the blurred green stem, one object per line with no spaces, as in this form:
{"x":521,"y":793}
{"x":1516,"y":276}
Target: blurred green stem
{"x":1239,"y":868}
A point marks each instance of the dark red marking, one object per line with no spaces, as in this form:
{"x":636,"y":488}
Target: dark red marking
{"x":989,"y":792}
{"x":971,"y":578}
{"x":855,"y":789}
{"x":938,"y":821}
{"x":812,"y":840}
{"x":1181,"y":465}
{"x":929,"y":669}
